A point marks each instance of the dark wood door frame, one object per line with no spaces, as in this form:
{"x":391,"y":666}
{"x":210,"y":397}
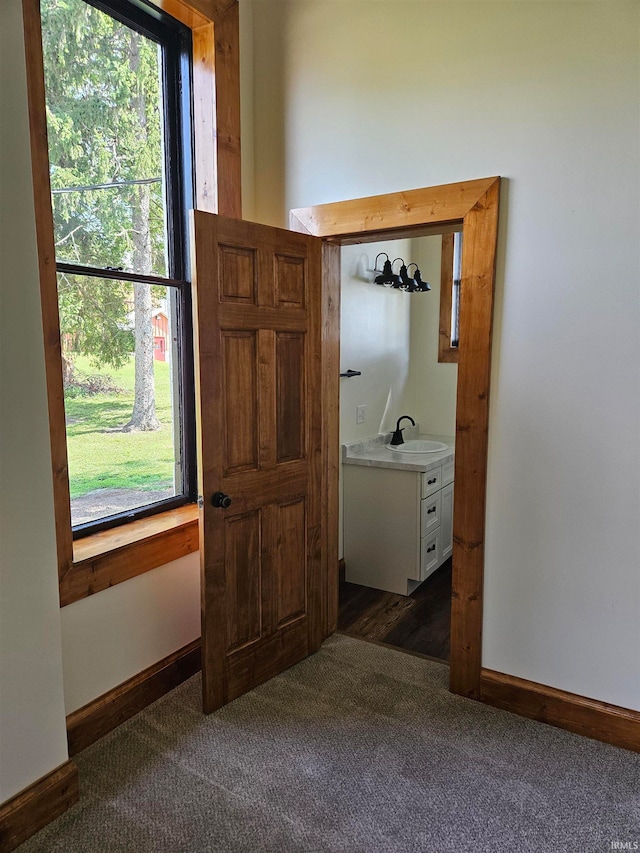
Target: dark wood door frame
{"x":415,"y":213}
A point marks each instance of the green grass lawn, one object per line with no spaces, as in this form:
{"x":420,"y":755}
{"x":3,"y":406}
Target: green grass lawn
{"x":99,"y":459}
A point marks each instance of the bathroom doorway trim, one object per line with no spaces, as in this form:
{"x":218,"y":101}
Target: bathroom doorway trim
{"x":415,"y":213}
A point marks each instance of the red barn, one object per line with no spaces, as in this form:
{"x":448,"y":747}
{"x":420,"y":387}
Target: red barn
{"x":160,"y":323}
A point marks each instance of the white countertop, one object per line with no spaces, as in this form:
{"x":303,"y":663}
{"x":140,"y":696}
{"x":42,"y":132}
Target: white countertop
{"x":373,"y":453}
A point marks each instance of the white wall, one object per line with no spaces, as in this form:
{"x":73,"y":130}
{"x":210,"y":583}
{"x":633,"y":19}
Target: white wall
{"x":375,"y":339}
{"x":431,"y":389}
{"x":32,"y":726}
{"x":392,"y":337}
{"x":109,"y":637}
{"x":358,"y":98}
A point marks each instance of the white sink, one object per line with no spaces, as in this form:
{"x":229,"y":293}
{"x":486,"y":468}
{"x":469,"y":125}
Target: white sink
{"x":418,"y":445}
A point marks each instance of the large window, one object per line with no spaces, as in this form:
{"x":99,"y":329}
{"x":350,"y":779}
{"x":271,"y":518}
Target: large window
{"x":117,"y":94}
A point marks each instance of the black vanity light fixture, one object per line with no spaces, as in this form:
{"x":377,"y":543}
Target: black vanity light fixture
{"x":420,"y":286}
{"x":387,"y":277}
{"x":401,"y":280}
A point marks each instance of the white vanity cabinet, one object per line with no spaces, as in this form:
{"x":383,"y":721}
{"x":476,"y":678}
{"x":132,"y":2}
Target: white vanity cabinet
{"x":446,"y":525}
{"x":398,"y":524}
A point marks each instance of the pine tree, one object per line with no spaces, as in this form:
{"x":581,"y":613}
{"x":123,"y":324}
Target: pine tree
{"x":104,"y":123}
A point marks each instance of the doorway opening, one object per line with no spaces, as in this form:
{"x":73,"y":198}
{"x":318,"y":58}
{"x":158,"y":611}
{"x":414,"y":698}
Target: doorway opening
{"x":431,"y":210}
{"x":396,"y":544}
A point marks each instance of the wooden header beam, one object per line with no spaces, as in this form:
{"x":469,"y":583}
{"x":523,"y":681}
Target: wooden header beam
{"x":410,"y":213}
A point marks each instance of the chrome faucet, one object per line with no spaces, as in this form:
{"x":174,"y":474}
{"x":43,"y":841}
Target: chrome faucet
{"x":397,"y":438}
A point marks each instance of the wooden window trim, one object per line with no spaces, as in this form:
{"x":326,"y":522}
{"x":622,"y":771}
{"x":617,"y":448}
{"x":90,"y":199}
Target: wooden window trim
{"x":110,"y":557}
{"x":446,"y":353}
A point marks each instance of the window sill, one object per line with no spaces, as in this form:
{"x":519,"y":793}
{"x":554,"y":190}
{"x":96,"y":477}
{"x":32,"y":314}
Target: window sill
{"x":113,"y":556}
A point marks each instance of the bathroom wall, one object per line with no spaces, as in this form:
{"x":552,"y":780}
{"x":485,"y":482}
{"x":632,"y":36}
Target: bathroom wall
{"x":431,"y":387}
{"x":546,"y":95}
{"x":392,"y":337}
{"x":375,"y":338}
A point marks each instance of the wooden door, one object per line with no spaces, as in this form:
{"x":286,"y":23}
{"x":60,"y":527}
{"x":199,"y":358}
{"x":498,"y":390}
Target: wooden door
{"x":257,"y":303}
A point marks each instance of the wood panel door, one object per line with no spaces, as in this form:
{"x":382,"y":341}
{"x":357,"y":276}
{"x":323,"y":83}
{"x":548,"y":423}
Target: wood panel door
{"x":257,"y":310}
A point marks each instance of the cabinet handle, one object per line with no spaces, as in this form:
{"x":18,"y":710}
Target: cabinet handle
{"x":432,"y":548}
{"x":431,"y":482}
{"x":429,"y":511}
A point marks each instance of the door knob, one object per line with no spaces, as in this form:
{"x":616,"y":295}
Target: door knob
{"x":221,"y":500}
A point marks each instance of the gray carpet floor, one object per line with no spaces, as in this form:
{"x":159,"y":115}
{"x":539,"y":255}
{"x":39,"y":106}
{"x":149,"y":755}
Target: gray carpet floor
{"x":358,"y":748}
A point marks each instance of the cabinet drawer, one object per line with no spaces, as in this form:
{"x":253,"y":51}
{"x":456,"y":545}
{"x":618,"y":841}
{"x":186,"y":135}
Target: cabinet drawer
{"x":431,"y":481}
{"x":447,"y":472}
{"x":430,"y":511}
{"x":429,"y":554}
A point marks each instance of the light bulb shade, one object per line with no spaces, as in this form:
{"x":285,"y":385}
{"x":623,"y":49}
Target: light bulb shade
{"x":406,"y":283}
{"x":421,"y":286}
{"x":388,"y":278}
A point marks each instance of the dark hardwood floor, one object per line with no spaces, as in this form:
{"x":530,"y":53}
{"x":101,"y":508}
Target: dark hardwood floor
{"x":417,"y":623}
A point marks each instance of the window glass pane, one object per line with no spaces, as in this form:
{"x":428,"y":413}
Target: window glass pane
{"x":104,"y":114}
{"x":121,"y":385}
